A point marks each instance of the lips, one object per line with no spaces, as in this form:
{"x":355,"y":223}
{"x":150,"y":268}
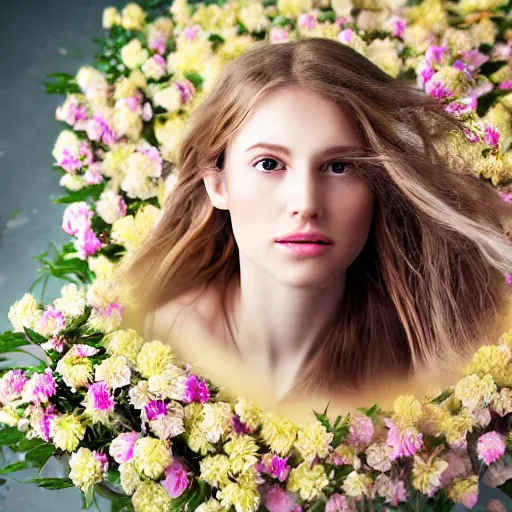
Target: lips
{"x":306,"y":238}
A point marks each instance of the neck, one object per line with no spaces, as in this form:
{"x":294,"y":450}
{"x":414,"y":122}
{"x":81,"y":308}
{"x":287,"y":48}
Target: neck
{"x":276,"y":325}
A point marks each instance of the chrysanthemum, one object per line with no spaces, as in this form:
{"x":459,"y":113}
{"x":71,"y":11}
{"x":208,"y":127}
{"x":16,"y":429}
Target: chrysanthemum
{"x":356,"y":484}
{"x":242,"y":452}
{"x":153,"y":358}
{"x":114,"y":371}
{"x":490,"y":447}
{"x":313,"y":440}
{"x":248,"y":411}
{"x":426,"y":474}
{"x":243,"y":494}
{"x":150,"y":497}
{"x":121,"y":447}
{"x":360,"y":431}
{"x":278,"y":433}
{"x":464,"y":490}
{"x":216,"y":420}
{"x":407,"y":411}
{"x":494,"y":360}
{"x":151,"y":456}
{"x":86,"y":469}
{"x":215,"y":470}
{"x":474,"y":391}
{"x":66,"y":432}
{"x":129,"y":477}
{"x":308,"y":481}
{"x":124,"y":342}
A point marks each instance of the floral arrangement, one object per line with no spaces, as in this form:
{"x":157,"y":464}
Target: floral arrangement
{"x":139,"y":426}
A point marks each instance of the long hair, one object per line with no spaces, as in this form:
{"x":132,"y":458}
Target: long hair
{"x":428,"y":287}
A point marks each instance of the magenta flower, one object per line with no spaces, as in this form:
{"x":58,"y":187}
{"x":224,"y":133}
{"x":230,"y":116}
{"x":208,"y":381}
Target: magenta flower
{"x":51,"y":322}
{"x":43,"y":386}
{"x":404,"y":442}
{"x":507,"y":84}
{"x":279,"y":35}
{"x":121,"y":448}
{"x":398,"y":27}
{"x":176,"y":477}
{"x":337,"y":503}
{"x":196,"y":390}
{"x":490,"y":447}
{"x":190,"y":33}
{"x":345,"y":36}
{"x":82,"y":350}
{"x":100,"y":396}
{"x":87,"y":243}
{"x":186,"y":88}
{"x":69,"y":162}
{"x":102,"y":459}
{"x":54,"y":343}
{"x":435,"y":54}
{"x":11,"y":385}
{"x":156,"y":409}
{"x":239,"y":426}
{"x":276,"y":499}
{"x":307,"y":20}
{"x":76,"y":218}
{"x":276,"y":466}
{"x":491,"y":136}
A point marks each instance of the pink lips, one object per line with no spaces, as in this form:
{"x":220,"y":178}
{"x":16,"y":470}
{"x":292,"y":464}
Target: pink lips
{"x":305,"y":244}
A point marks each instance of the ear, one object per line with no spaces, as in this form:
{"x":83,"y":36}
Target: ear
{"x":216,"y":188}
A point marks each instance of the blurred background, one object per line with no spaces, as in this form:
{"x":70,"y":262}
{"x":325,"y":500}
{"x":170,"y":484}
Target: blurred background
{"x":37,"y":37}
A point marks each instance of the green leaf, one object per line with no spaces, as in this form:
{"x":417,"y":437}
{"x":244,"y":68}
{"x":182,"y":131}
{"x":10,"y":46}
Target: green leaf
{"x":195,"y":78}
{"x":40,"y":455}
{"x":34,"y":336}
{"x":10,"y":341}
{"x":372,"y":411}
{"x":52,"y":483}
{"x":10,"y":436}
{"x":89,"y":192}
{"x":15,"y":466}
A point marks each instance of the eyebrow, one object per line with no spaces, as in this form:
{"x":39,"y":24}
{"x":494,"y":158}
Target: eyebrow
{"x":282,"y":149}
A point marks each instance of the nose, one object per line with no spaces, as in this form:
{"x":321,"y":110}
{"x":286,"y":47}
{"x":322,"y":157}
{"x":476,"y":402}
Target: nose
{"x":304,"y":200}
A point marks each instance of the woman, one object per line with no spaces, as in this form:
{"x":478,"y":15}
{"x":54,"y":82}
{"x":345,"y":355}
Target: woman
{"x":319,"y":240}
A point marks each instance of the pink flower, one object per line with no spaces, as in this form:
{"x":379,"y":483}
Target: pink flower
{"x":121,"y":447}
{"x":398,"y":27}
{"x":276,"y":499}
{"x":475,"y":58}
{"x":239,"y":426}
{"x":345,"y":36}
{"x":435,"y":54}
{"x":100,"y":396}
{"x":508,"y":279}
{"x":458,"y":465}
{"x":491,"y":136}
{"x":54,"y":343}
{"x":93,"y":175}
{"x":87,"y":243}
{"x":360,"y":431}
{"x":102,"y":459}
{"x":176,"y":477}
{"x":275,"y":466}
{"x":404,"y":442}
{"x":51,"y":322}
{"x":82,"y":350}
{"x":156,"y":409}
{"x":40,"y":419}
{"x":307,"y":20}
{"x":70,"y":162}
{"x":76,"y":218}
{"x":158,"y":44}
{"x":470,"y":499}
{"x":507,"y":84}
{"x":11,"y":385}
{"x":337,"y":503}
{"x":186,"y":88}
{"x":43,"y":386}
{"x":190,"y":33}
{"x":490,"y":447}
{"x":279,"y":35}
{"x":196,"y":390}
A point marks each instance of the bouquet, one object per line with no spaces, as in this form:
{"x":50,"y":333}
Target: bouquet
{"x":138,"y":425}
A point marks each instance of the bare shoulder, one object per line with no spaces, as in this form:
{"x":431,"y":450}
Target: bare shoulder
{"x":196,"y":307}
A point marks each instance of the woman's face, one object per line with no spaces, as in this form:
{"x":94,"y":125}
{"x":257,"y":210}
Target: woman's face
{"x":299,"y":186}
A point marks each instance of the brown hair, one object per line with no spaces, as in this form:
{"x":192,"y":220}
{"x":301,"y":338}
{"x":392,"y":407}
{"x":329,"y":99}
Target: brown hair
{"x":427,"y":288}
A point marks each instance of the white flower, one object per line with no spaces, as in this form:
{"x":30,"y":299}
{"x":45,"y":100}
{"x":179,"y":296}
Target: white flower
{"x":72,"y":301}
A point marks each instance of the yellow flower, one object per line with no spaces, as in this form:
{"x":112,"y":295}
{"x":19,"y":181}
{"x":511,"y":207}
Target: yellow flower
{"x":111,"y":17}
{"x":494,"y":360}
{"x":133,"y":55}
{"x":114,"y":162}
{"x":293,"y":8}
{"x":133,"y":17}
{"x":309,"y":482}
{"x":150,"y":497}
{"x":9,"y":416}
{"x":24,"y":313}
{"x":253,"y":17}
{"x":169,"y":132}
{"x":86,"y":469}
{"x":356,"y":484}
{"x":212,"y":505}
{"x":130,"y":479}
{"x":190,"y":56}
{"x":279,"y":433}
{"x":242,"y":451}
{"x":407,"y":411}
{"x":76,"y":371}
{"x":151,"y":456}
{"x":131,"y":231}
{"x":127,"y":122}
{"x":243,"y":494}
{"x":215,"y":470}
{"x":431,"y":419}
{"x":181,"y":11}
{"x":430,"y":15}
{"x":456,"y":427}
{"x":384,"y":53}
{"x":313,"y":440}
{"x":459,"y":487}
{"x":153,"y":358}
{"x":114,"y":371}
{"x":485,"y":31}
{"x":66,"y":432}
{"x":426,"y":475}
{"x":216,"y":421}
{"x":234,"y":46}
{"x":124,"y":342}
{"x":469,"y":6}
{"x":475,"y":392}
{"x":248,"y":411}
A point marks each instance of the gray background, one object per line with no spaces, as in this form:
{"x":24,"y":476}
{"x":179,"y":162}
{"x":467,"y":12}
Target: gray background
{"x":37,"y":38}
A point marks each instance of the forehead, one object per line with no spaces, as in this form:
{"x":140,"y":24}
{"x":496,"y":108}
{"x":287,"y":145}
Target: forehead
{"x":297,"y":118}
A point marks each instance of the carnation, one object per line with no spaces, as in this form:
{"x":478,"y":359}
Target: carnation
{"x":86,"y":469}
{"x":151,"y":457}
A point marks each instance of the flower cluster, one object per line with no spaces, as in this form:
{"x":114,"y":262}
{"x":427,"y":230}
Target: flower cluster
{"x":127,"y":413}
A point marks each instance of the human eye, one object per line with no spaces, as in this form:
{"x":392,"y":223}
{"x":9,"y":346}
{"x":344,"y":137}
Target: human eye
{"x":344,"y":168}
{"x":266,"y":166}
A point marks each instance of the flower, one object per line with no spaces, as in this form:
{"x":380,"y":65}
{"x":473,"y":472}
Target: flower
{"x":278,"y":433}
{"x":308,"y":481}
{"x":114,"y":371}
{"x":216,"y":421}
{"x":66,"y":431}
{"x":176,"y":478}
{"x":215,"y":470}
{"x":72,"y":300}
{"x":360,"y":431}
{"x":86,"y":469}
{"x":490,"y":447}
{"x":242,"y":452}
{"x":276,"y":499}
{"x":404,"y":442}
{"x":129,"y":477}
{"x":195,"y":390}
{"x":243,"y":494}
{"x":11,"y":385}
{"x":99,"y":403}
{"x":153,"y":358}
{"x":407,"y":411}
{"x":150,"y":497}
{"x":313,"y":440}
{"x":124,"y":342}
{"x":24,"y":313}
{"x":151,"y":456}
{"x":426,"y":474}
{"x":121,"y":447}
{"x":356,"y":484}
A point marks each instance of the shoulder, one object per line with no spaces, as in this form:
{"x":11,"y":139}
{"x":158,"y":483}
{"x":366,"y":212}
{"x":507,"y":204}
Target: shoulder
{"x":196,"y":307}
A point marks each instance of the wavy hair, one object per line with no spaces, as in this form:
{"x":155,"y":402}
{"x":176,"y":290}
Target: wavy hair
{"x":428,"y":287}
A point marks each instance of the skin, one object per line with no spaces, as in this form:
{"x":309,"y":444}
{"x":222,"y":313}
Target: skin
{"x":284,"y":304}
